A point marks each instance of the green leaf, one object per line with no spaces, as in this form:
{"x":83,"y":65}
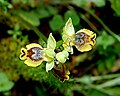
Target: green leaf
{"x":4,"y":4}
{"x":49,"y":65}
{"x":86,"y":79}
{"x":80,"y":3}
{"x":15,"y":1}
{"x":72,"y":14}
{"x":51,"y":43}
{"x":5,"y":83}
{"x":10,"y":32}
{"x":115,"y":91}
{"x":52,"y":10}
{"x":24,"y":1}
{"x":15,"y":33}
{"x":101,"y":66}
{"x":83,"y":3}
{"x":97,"y":93}
{"x":117,"y":48}
{"x":62,"y":56}
{"x":31,"y":17}
{"x":59,"y":43}
{"x":115,"y":5}
{"x":10,"y":6}
{"x":99,"y":3}
{"x":42,"y":13}
{"x":109,"y":62}
{"x":105,"y":40}
{"x":17,"y":27}
{"x":56,"y":23}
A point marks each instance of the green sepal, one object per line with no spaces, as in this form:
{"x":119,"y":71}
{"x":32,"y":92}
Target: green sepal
{"x":51,"y":42}
{"x":49,"y":54}
{"x":49,"y":65}
{"x":62,"y":56}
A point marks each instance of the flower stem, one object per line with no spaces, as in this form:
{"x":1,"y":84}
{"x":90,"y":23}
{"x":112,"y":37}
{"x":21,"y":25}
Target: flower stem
{"x":89,"y":23}
{"x":96,"y":78}
{"x":110,"y":83}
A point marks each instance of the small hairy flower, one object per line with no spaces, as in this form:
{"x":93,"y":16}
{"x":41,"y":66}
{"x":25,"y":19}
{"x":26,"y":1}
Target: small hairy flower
{"x":68,"y":36}
{"x":61,"y":72}
{"x":33,"y":55}
{"x":83,"y":40}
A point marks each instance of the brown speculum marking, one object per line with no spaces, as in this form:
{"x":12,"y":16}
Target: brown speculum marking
{"x":81,"y":38}
{"x":35,"y":54}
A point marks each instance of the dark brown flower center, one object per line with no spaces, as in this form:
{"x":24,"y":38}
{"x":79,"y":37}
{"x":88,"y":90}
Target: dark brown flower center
{"x":35,"y":53}
{"x":81,"y":38}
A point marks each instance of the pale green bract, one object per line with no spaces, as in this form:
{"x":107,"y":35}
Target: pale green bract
{"x":62,"y":56}
{"x":68,"y":29}
{"x":68,"y":36}
{"x":49,"y":51}
{"x":49,"y":65}
{"x":51,"y":43}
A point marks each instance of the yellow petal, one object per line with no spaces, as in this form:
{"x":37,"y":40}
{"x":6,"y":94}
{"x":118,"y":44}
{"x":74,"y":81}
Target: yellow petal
{"x":88,"y":32}
{"x":66,"y":77}
{"x":23,"y":54}
{"x":32,"y":63}
{"x":93,"y":37}
{"x":33,"y":45}
{"x":67,"y":72}
{"x":83,"y":48}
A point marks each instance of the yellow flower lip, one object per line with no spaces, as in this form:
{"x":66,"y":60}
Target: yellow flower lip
{"x":84,"y":40}
{"x":33,"y":45}
{"x":23,"y":55}
{"x":33,"y":55}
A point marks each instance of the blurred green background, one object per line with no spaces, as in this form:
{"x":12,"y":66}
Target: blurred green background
{"x":93,"y":73}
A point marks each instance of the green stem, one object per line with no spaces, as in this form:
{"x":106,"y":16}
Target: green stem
{"x":95,"y":87}
{"x":96,"y":78}
{"x":101,"y":90}
{"x":89,"y":23}
{"x":110,"y":83}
